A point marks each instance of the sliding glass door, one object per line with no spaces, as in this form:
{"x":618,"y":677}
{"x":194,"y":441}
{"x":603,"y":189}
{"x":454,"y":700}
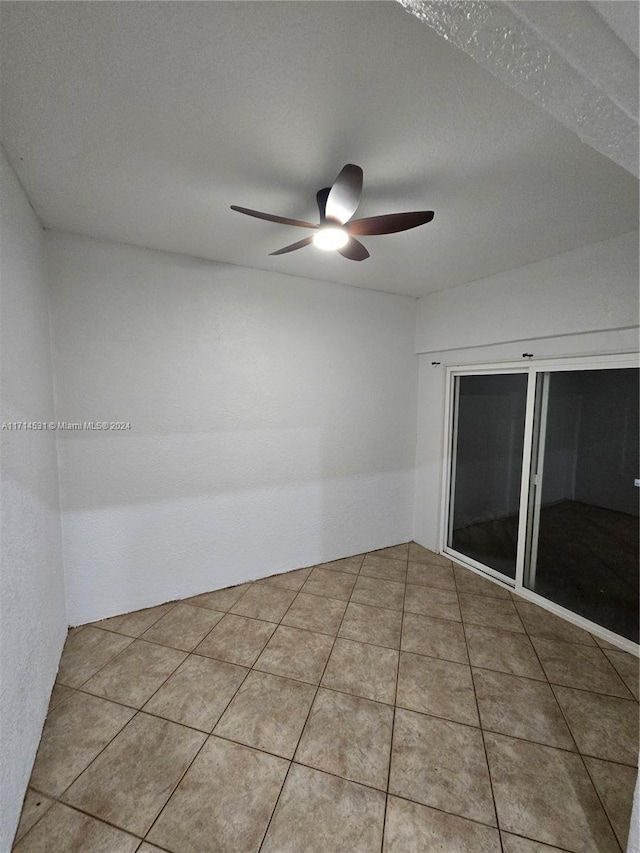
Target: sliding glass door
{"x":542,"y":484}
{"x":488,"y":440}
{"x":582,"y":545}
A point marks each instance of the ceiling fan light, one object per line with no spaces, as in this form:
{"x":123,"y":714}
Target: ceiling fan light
{"x":330,"y":238}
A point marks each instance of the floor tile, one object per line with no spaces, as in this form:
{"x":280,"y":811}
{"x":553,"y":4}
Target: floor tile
{"x":393,"y":552}
{"x":330,"y":583}
{"x":362,"y":670}
{"x":469,"y":582}
{"x":135,"y":674}
{"x":603,"y":726}
{"x":295,"y":653}
{"x":418,"y":554}
{"x":183,"y":627}
{"x":350,"y":565}
{"x":627,"y":667}
{"x":315,"y":613}
{"x":132,"y":779}
{"x":572,"y":665}
{"x":516,"y":844}
{"x":429,"y":574}
{"x":268,"y":712}
{"x":64,"y":830}
{"x":74,"y":733}
{"x":372,"y":625}
{"x":412,"y":828}
{"x":123,"y":768}
{"x":378,"y":593}
{"x":490,"y":612}
{"x":264,"y":602}
{"x":503,"y":651}
{"x":439,"y":687}
{"x":429,"y":601}
{"x":615,"y":783}
{"x":545,"y":794}
{"x":287,"y":580}
{"x":219,"y":599}
{"x":34,"y":807}
{"x":242,"y":783}
{"x":136,"y":623}
{"x":237,"y":639}
{"x":58,"y":695}
{"x":438,"y":638}
{"x":318,"y":813}
{"x":521,"y":708}
{"x":441,"y":764}
{"x":539,"y":622}
{"x":384,"y":568}
{"x":349,"y":737}
{"x":197,"y":693}
{"x":86,"y":652}
{"x":604,"y":644}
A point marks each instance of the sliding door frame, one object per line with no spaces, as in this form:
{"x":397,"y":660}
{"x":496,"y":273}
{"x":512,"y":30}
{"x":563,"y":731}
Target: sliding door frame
{"x":532,"y":368}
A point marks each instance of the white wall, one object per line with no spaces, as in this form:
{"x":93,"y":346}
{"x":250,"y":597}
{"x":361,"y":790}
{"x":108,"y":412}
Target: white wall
{"x":32,"y":609}
{"x":272,"y":422}
{"x":585,"y":290}
{"x":582,"y":302}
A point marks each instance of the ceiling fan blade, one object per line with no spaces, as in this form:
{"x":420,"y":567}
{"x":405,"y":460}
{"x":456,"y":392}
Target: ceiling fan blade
{"x":321,"y":198}
{"x":293,"y":246}
{"x":391,"y":223}
{"x":270,"y":217}
{"x":344,"y":196}
{"x":354,"y":251}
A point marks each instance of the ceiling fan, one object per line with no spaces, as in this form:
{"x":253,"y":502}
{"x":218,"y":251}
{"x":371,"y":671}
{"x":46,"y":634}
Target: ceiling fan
{"x":336,"y":230}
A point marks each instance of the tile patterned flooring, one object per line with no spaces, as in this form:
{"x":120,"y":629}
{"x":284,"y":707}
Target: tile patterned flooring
{"x":384,"y":702}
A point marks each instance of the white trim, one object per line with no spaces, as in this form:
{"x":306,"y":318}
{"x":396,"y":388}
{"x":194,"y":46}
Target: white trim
{"x":556,"y":609}
{"x":486,"y":571}
{"x":446,"y":461}
{"x":541,"y":429}
{"x":449,"y":455}
{"x":453,"y":450}
{"x":572,"y":362}
{"x":525,"y":476}
{"x":580,"y":621}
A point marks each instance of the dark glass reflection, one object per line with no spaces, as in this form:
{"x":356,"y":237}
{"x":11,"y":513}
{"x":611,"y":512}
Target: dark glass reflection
{"x":585,"y":556}
{"x":487,"y":468}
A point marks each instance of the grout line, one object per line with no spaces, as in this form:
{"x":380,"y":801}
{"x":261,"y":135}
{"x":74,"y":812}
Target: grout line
{"x":190,"y":765}
{"x":291,"y":761}
{"x":38,"y":819}
{"x":207,"y":735}
{"x":87,"y":814}
{"x":566,"y":721}
{"x":602,"y":802}
{"x":395,"y":706}
{"x":137,"y":712}
{"x":586,"y":769}
{"x":484,"y":744}
{"x":99,"y":696}
{"x":302,"y":730}
{"x":535,"y":840}
{"x":618,"y":671}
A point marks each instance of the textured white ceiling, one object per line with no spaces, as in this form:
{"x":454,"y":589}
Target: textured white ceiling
{"x":572,"y":59}
{"x":142,"y":122}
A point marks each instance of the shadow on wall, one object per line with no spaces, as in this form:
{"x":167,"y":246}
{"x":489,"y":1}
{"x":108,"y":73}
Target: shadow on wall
{"x":272,"y":422}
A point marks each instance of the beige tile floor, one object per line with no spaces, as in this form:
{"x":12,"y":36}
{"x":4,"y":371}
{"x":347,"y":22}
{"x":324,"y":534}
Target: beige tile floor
{"x":387,"y":701}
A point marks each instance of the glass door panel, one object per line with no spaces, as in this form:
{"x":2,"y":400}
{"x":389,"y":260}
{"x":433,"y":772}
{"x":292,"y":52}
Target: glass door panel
{"x":486,"y":471}
{"x":582,"y":540}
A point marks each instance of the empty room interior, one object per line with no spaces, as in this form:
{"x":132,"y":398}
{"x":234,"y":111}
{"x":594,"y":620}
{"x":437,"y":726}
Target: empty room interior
{"x":319,"y":442}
